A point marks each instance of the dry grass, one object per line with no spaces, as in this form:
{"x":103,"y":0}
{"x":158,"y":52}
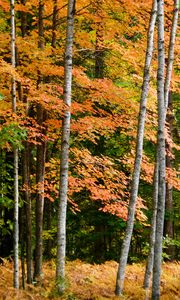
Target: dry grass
{"x":91,"y":282}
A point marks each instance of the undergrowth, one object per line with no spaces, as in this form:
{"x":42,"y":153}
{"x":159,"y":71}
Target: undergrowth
{"x":90,"y":282}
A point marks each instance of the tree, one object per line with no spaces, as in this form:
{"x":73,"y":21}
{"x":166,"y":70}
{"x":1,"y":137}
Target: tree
{"x":40,"y":167}
{"x":160,"y":155}
{"x":139,"y":148}
{"x":54,"y":23}
{"x":16,"y":189}
{"x":61,"y":229}
{"x":99,"y":51}
{"x":170,"y":60}
{"x":168,"y":224}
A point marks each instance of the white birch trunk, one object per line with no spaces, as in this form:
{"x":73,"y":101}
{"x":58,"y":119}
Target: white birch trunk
{"x":150,"y":260}
{"x":16,"y":188}
{"x":61,"y":230}
{"x":171,"y":53}
{"x":139,"y":149}
{"x":161,"y":155}
{"x":149,"y":265}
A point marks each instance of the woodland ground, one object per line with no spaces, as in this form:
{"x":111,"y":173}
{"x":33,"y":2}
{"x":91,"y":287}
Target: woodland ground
{"x":90,"y":282}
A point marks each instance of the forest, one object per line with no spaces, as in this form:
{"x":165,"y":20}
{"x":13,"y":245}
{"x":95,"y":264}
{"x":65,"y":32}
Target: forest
{"x":89,"y":149}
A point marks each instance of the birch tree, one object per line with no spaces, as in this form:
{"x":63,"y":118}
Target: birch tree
{"x":138,"y":158}
{"x":168,"y":224}
{"x":161,"y":155}
{"x":171,"y":53}
{"x":16,"y":188}
{"x":149,"y":265}
{"x":62,"y":207}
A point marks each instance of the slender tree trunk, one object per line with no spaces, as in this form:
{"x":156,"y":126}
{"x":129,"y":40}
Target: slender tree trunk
{"x":40,"y":167}
{"x":149,"y":266}
{"x":16,"y":221}
{"x":28,"y":213}
{"x":48,"y":212}
{"x":23,"y":20}
{"x":168,"y":96}
{"x":99,"y":243}
{"x":41,"y":25}
{"x":16,"y":188}
{"x":61,"y":229}
{"x":99,"y":73}
{"x":150,"y":260}
{"x":171,"y":53}
{"x":161,"y":155}
{"x":168,"y":225}
{"x":139,"y":148}
{"x":40,"y":172}
{"x":23,"y":96}
{"x":99,"y":51}
{"x":22,"y":239}
{"x":54,"y":23}
{"x":27,"y":197}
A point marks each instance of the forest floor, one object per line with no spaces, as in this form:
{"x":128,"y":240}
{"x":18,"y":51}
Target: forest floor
{"x":91,"y":282}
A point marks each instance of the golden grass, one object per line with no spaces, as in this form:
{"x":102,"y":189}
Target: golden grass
{"x":91,"y":282}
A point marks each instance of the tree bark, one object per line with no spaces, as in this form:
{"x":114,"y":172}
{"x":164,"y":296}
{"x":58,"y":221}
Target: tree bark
{"x":171,"y":53}
{"x":40,"y":167}
{"x":16,"y":221}
{"x":161,"y":155}
{"x":23,"y":20}
{"x":149,"y":266}
{"x":61,"y":229}
{"x":99,"y":51}
{"x":150,"y":260}
{"x":168,"y":225}
{"x":16,"y":187}
{"x":22,"y":238}
{"x":54,"y":23}
{"x":41,"y":25}
{"x":139,"y":149}
{"x":40,"y":172}
{"x":48,"y":212}
{"x":28,"y":213}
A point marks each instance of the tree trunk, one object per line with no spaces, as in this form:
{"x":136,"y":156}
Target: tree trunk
{"x":48,"y":212}
{"x":40,"y":172}
{"x":99,"y":243}
{"x":23,"y":96}
{"x":16,"y":221}
{"x":40,"y":167}
{"x":16,"y":188}
{"x":99,"y":51}
{"x":61,"y":229}
{"x":54,"y":23}
{"x":168,"y":225}
{"x":171,"y":53}
{"x":149,"y":266}
{"x":22,"y":238}
{"x":139,"y":148}
{"x":23,"y":20}
{"x":150,"y":260}
{"x":28,"y":204}
{"x":169,"y":200}
{"x":28,"y":213}
{"x":41,"y":25}
{"x":161,"y":156}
